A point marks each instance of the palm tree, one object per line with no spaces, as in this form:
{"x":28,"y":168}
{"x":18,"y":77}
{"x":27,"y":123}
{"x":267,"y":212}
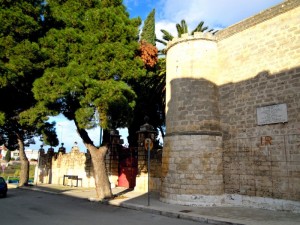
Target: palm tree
{"x":182,"y":28}
{"x":201,"y":28}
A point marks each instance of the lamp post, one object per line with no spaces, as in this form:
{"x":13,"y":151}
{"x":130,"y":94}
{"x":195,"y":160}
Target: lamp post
{"x":146,"y":138}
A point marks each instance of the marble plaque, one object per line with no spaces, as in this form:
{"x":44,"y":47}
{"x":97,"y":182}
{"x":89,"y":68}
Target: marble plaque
{"x":272,"y":114}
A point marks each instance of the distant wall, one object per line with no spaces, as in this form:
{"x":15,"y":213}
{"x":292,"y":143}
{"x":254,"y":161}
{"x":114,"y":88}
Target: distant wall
{"x":53,"y":166}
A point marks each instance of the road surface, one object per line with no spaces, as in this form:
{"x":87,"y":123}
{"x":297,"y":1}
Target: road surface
{"x":26,"y":207}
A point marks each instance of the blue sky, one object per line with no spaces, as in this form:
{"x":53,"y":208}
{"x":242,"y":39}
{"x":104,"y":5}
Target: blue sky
{"x":216,"y":14}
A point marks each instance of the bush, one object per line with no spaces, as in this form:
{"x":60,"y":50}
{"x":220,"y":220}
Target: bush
{"x":13,"y":171}
{"x":8,"y":156}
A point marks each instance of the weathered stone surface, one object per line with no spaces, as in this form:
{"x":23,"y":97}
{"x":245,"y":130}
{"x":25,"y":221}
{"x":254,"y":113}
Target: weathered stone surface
{"x":53,"y":168}
{"x":214,"y":145}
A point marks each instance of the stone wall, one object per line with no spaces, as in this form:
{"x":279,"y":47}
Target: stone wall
{"x":192,"y":165}
{"x":142,"y":170}
{"x":53,"y":166}
{"x":271,"y":45}
{"x":261,"y":67}
{"x":215,"y":151}
{"x":262,"y":161}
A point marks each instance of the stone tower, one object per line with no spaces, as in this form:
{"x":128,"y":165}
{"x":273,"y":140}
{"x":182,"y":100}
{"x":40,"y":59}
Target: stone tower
{"x":192,"y":158}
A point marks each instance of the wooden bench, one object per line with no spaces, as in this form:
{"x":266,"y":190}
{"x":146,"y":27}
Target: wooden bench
{"x":72,"y":177}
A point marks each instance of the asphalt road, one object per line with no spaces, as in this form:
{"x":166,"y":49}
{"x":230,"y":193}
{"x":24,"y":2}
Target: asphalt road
{"x":25,"y":207}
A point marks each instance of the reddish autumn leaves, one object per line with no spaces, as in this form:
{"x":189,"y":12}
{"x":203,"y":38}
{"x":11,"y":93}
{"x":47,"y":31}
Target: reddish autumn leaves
{"x":148,"y":53}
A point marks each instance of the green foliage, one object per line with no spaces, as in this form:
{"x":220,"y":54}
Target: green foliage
{"x":93,"y":42}
{"x":150,"y":102}
{"x":148,"y":32}
{"x":8,"y":156}
{"x":150,"y":90}
{"x":2,"y":118}
{"x":182,"y":28}
{"x":166,"y":36}
{"x":200,"y":28}
{"x":13,"y":172}
{"x":17,"y":173}
{"x":21,"y":62}
{"x":49,"y":135}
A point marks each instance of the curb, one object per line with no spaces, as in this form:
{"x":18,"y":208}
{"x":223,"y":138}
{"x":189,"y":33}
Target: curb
{"x":171,"y":214}
{"x":40,"y":190}
{"x":179,"y":215}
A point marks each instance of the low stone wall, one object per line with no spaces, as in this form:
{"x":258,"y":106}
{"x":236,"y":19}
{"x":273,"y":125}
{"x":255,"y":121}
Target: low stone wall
{"x":53,"y":167}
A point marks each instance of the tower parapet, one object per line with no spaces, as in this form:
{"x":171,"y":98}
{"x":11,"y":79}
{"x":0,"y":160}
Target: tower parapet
{"x":186,"y":37}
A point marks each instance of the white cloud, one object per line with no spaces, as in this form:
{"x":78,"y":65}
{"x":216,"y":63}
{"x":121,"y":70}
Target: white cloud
{"x":165,"y":25}
{"x":215,"y":14}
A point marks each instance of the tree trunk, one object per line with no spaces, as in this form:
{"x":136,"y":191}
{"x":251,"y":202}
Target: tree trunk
{"x":24,"y":173}
{"x":102,"y":183}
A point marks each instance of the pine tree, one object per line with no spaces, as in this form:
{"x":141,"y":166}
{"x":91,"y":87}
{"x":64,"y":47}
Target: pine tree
{"x":91,"y":57}
{"x":21,"y":62}
{"x":150,"y":100}
{"x":148,"y":32}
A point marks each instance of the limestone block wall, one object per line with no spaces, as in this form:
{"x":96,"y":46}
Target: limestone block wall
{"x":192,"y":166}
{"x":74,"y":163}
{"x":192,"y":170}
{"x":52,"y":169}
{"x":191,"y":62}
{"x":214,"y":87}
{"x":155,"y":170}
{"x":252,"y":165}
{"x":269,"y":41}
{"x":260,"y":61}
{"x":53,"y":166}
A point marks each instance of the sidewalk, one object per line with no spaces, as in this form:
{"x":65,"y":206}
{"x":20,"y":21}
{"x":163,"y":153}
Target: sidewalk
{"x":211,"y":215}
